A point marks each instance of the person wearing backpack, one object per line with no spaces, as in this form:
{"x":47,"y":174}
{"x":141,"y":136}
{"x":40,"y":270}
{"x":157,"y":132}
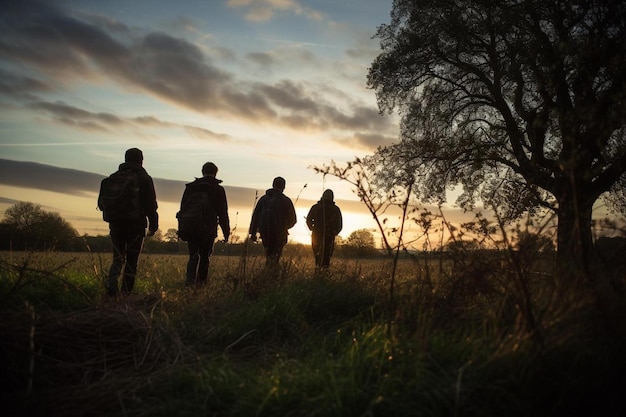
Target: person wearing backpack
{"x":325,"y":222}
{"x":202,"y":208}
{"x":128,"y":202}
{"x":272,"y":218}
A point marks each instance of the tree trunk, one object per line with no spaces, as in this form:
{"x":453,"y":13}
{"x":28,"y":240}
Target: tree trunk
{"x":574,"y":238}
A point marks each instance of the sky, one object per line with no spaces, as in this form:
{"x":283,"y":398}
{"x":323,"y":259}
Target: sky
{"x":262,"y":88}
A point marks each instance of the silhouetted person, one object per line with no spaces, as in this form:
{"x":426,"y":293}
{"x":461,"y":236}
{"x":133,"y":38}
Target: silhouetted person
{"x":325,"y":222}
{"x":202,"y":231}
{"x":272,"y":217}
{"x":128,"y":214}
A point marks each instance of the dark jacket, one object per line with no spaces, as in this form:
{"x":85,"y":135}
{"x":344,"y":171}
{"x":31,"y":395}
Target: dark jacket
{"x":147,"y":198}
{"x":324,"y":218}
{"x":217,"y":197}
{"x":285,"y":213}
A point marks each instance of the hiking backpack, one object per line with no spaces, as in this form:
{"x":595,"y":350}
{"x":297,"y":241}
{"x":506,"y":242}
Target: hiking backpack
{"x":119,"y":197}
{"x":194,"y":215}
{"x":268,"y":218}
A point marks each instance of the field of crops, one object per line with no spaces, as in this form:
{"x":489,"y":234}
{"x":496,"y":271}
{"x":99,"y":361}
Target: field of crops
{"x":455,"y":337}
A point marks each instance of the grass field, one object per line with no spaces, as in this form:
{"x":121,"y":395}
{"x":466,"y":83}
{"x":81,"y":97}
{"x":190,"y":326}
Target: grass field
{"x":455,"y":337}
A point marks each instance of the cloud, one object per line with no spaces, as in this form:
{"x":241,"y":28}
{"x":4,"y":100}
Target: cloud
{"x":107,"y":122}
{"x":264,"y":10}
{"x":4,"y":200}
{"x":290,"y":96}
{"x":21,"y":86}
{"x":74,"y":116}
{"x":204,"y":134}
{"x":366,"y":141}
{"x":262,"y":59}
{"x":48,"y":178}
{"x":62,"y":47}
{"x":32,"y":175}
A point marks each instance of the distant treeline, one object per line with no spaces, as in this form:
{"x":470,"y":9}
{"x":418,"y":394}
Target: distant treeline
{"x":18,"y":242}
{"x":103,"y":244}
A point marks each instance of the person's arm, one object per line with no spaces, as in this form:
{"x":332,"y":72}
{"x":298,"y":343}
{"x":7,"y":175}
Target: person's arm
{"x":223,"y":214}
{"x":291,"y":220}
{"x":339,"y":225}
{"x":254,"y":221}
{"x":150,"y":205}
{"x":310,"y":218}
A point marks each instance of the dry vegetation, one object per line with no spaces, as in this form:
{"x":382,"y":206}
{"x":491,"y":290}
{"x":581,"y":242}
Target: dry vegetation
{"x":456,"y":337}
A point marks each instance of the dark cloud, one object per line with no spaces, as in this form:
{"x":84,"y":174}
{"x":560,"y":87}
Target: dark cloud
{"x":175,"y":70}
{"x":48,"y":178}
{"x":361,"y":118}
{"x":262,"y":59}
{"x":289,"y":95}
{"x":21,"y":86}
{"x":32,"y":175}
{"x":76,"y":117}
{"x":60,"y":45}
{"x":372,"y":141}
{"x":253,"y":105}
{"x":4,"y":200}
{"x":80,"y":118}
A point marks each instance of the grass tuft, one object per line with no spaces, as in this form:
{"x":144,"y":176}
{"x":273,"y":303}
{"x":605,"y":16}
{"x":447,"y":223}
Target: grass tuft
{"x":296,"y":342}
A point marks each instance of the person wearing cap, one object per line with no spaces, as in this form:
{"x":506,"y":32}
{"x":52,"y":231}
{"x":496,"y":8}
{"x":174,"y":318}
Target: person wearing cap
{"x":127,"y":235}
{"x":201,"y":241}
{"x":272,"y":218}
{"x":325,"y":222}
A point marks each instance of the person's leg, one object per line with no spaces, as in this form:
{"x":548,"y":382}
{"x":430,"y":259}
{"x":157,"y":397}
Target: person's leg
{"x":329,"y":245}
{"x":192,"y":263}
{"x":203,"y":267}
{"x":269,"y":244}
{"x":133,"y":249}
{"x":277,"y":251}
{"x":272,"y":254}
{"x":316,"y":246}
{"x":268,"y":254}
{"x":119,"y":256}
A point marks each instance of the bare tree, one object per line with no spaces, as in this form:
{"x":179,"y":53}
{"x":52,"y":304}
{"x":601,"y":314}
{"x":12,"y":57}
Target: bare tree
{"x":521,"y":102}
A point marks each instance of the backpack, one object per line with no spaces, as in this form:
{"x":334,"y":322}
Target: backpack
{"x":119,"y":197}
{"x":194,"y":215}
{"x":268,"y":218}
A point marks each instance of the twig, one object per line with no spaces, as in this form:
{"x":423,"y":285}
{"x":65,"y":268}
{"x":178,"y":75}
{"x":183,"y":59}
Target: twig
{"x":239,"y":340}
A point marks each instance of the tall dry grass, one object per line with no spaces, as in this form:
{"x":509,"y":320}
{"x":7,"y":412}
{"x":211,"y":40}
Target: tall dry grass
{"x":295,"y":342}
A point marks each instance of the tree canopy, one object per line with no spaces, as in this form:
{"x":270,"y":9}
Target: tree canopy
{"x":27,"y":226}
{"x":521,"y":102}
{"x":360,"y":243}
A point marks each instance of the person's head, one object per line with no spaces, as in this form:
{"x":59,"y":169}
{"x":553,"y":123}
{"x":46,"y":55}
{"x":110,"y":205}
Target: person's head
{"x":328,"y":195}
{"x":279,"y":183}
{"x":134,"y":155}
{"x":209,"y":169}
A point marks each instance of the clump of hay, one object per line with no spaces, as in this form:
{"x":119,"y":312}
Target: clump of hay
{"x":82,"y":360}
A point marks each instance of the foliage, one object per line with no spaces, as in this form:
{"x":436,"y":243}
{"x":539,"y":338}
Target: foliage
{"x":27,"y":226}
{"x":294,"y":341}
{"x":171,"y":235}
{"x":360,"y":243}
{"x":520,"y":103}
